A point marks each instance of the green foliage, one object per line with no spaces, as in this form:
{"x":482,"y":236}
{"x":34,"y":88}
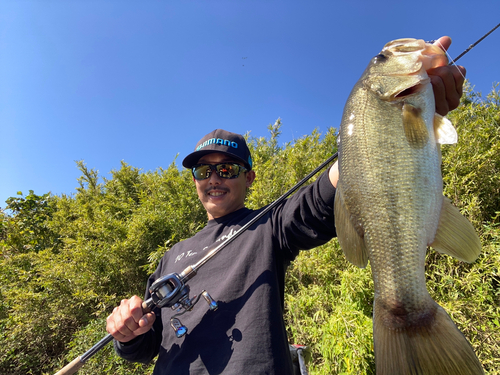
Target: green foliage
{"x":108,"y":236}
{"x":471,"y":168}
{"x":66,"y":261}
{"x":278,"y":168}
{"x":329,"y":308}
{"x":29,"y":231}
{"x":470,"y":293}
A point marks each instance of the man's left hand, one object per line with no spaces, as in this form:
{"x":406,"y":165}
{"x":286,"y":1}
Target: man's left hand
{"x":447,"y":82}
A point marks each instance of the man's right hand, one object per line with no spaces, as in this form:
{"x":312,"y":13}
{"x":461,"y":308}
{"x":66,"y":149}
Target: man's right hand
{"x":128,"y":321}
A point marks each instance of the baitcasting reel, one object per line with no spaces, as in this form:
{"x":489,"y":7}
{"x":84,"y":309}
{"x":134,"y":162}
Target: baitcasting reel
{"x":171,"y":291}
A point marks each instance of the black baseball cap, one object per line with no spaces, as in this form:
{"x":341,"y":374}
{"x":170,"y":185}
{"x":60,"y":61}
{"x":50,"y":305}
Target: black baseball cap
{"x":222,"y":141}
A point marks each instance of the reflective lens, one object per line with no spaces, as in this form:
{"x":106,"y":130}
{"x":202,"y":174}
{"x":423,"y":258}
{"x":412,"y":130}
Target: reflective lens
{"x":223,"y":170}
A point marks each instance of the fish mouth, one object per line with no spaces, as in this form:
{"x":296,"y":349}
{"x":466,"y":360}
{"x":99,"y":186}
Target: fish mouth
{"x":400,"y":70}
{"x":427,"y":54}
{"x":404,"y":46}
{"x":430,"y":56}
{"x":433,"y":56}
{"x":413,"y":90}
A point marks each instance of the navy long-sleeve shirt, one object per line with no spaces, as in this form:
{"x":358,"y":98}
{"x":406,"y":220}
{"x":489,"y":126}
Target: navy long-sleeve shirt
{"x":246,"y":334}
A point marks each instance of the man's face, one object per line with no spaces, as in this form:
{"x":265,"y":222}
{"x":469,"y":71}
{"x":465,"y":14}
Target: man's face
{"x":222,"y":196}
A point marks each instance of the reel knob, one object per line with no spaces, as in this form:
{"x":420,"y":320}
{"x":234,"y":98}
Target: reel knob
{"x":212,"y":304}
{"x":179,"y":329}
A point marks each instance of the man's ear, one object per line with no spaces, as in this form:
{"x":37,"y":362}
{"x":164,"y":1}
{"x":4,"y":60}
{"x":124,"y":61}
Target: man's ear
{"x":250,"y":177}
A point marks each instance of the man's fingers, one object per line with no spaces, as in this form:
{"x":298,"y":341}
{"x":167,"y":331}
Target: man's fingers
{"x":128,"y":320}
{"x":146,"y":323}
{"x":444,"y":42}
{"x":114,"y":327}
{"x":439,"y":95}
{"x":459,"y":75}
{"x":131,"y":314}
{"x":447,"y":83}
{"x":134,"y":306}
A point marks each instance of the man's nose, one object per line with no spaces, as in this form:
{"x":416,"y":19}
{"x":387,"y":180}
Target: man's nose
{"x":214,"y":179}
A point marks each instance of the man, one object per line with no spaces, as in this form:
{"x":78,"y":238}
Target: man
{"x":246,"y":335}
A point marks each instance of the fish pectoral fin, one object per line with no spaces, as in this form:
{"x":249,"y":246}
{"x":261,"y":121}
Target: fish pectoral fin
{"x":414,"y":126}
{"x":455,"y":235}
{"x":352,"y":243}
{"x":444,"y":130}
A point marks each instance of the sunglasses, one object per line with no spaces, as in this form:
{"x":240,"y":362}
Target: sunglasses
{"x":223,"y":170}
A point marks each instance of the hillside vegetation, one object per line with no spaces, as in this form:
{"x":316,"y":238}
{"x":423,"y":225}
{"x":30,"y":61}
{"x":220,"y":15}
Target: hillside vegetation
{"x":66,"y":261}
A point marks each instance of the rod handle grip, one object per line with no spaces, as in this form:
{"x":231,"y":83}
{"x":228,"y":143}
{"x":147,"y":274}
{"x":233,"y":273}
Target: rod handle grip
{"x":71,"y":367}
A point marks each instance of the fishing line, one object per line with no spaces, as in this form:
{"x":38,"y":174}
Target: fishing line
{"x":449,"y":56}
{"x":453,"y":61}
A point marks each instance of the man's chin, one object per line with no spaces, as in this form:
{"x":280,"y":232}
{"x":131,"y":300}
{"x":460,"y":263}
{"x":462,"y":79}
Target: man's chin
{"x":214,"y":211}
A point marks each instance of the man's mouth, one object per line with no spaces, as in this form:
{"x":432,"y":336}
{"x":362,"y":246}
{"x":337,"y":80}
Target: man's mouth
{"x":216,"y":193}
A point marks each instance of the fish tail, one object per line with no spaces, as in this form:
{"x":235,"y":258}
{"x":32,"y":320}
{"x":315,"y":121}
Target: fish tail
{"x":431,"y":344}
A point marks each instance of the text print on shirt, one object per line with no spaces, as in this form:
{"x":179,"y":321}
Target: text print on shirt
{"x":191,"y":253}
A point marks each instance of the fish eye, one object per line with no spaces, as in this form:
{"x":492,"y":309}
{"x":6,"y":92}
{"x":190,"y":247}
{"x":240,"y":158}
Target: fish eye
{"x":379,"y":58}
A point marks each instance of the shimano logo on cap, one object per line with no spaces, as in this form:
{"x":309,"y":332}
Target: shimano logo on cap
{"x":222,"y":141}
{"x":217,"y":141}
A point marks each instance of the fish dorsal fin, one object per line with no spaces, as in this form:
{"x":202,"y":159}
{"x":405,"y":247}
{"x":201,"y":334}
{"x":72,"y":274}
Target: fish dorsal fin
{"x":455,"y":235}
{"x":351,"y":242}
{"x":414,"y":126}
{"x":444,"y":130}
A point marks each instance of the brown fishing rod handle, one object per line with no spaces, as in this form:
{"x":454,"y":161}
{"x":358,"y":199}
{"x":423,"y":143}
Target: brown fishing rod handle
{"x":77,"y":363}
{"x":71,"y":367}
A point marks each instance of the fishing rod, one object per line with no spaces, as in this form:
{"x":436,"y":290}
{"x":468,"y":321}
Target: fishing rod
{"x":474,"y":44}
{"x":453,"y":61}
{"x":172,"y":290}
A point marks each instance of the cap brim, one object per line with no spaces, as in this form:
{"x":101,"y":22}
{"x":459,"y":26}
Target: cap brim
{"x":192,"y":159}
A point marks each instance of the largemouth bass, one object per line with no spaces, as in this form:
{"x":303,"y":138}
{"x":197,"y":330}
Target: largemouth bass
{"x":389,"y":208}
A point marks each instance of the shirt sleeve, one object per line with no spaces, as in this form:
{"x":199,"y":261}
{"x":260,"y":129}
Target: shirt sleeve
{"x":306,"y":219}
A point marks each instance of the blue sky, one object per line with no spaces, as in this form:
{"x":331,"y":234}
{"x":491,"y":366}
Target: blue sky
{"x":142,"y":81}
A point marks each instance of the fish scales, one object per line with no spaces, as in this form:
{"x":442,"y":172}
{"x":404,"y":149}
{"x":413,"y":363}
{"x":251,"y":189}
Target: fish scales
{"x":402,"y":186}
{"x":389,"y":208}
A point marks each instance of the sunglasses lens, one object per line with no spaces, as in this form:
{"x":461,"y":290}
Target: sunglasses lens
{"x":223,"y":170}
{"x":228,"y":170}
{"x":201,"y":172}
